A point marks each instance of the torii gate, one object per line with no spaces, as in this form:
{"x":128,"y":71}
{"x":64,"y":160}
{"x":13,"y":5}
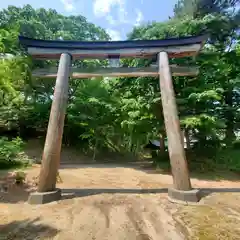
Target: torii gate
{"x":67,"y":51}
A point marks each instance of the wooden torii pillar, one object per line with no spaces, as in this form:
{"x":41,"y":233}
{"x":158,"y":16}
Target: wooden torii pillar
{"x":52,"y":148}
{"x":65,"y":51}
{"x":182,"y":189}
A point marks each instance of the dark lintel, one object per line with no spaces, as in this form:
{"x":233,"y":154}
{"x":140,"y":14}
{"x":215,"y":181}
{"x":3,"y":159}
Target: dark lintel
{"x":100,"y":45}
{"x":52,"y":49}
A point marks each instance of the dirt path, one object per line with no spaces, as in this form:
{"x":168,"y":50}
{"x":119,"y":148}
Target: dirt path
{"x":116,"y":202}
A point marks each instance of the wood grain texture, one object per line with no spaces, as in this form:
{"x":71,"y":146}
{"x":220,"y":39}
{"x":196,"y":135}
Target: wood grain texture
{"x":180,"y":172}
{"x":116,"y":72}
{"x":174,"y":51}
{"x":56,"y":56}
{"x":53,"y":142}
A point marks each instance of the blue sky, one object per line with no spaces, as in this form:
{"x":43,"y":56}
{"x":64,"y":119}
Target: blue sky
{"x":116,"y":16}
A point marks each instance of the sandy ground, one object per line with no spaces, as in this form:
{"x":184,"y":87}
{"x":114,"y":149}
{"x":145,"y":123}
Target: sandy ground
{"x":103,"y":202}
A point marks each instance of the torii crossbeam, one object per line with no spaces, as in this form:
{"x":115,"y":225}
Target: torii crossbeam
{"x":67,"y":51}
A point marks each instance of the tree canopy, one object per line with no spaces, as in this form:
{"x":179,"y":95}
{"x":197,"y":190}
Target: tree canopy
{"x":122,"y":114}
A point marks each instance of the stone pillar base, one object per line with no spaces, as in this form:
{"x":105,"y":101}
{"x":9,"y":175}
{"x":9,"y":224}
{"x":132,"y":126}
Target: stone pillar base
{"x":185,"y":197}
{"x":44,"y":197}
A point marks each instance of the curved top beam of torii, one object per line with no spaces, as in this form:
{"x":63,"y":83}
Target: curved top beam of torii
{"x":52,"y":49}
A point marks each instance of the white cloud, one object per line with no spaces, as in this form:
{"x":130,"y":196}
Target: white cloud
{"x":103,"y":7}
{"x":68,"y":5}
{"x":115,"y":35}
{"x":139,"y":18}
{"x":122,"y":14}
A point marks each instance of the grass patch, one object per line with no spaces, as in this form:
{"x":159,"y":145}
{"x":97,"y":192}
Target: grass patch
{"x":208,"y":223}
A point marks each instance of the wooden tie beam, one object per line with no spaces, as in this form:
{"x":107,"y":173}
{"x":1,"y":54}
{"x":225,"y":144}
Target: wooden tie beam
{"x":71,"y":50}
{"x":116,"y":72}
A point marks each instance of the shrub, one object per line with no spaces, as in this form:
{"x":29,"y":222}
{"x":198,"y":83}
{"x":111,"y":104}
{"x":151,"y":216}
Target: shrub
{"x":11,"y":153}
{"x":20,"y":177}
{"x":224,"y":159}
{"x":207,"y":148}
{"x":162,"y":161}
{"x":229,"y":159}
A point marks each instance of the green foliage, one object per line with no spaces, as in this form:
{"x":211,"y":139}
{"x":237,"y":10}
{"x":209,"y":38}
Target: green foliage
{"x":197,"y":8}
{"x":8,"y":41}
{"x":11,"y":153}
{"x":48,"y":24}
{"x":120,"y":115}
{"x":10,"y":149}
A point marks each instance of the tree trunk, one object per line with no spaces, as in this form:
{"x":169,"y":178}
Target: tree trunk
{"x":229,"y":115}
{"x":162,"y":143}
{"x":187,"y":137}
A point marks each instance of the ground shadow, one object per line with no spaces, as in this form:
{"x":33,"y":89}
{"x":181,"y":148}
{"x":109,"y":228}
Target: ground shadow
{"x":89,"y":165}
{"x":27,"y":229}
{"x":136,"y":165}
{"x":71,"y":193}
{"x":208,"y":191}
{"x":75,"y":193}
